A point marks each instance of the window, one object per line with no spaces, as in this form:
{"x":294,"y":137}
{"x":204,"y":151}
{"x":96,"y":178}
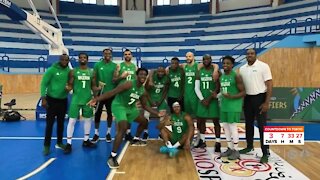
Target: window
{"x":205,"y":1}
{"x":163,"y":2}
{"x":89,"y":1}
{"x":185,"y":1}
{"x":111,"y":2}
{"x":68,"y":0}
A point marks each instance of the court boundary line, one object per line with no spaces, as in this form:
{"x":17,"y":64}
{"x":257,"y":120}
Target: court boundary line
{"x":114,"y":171}
{"x":103,"y":139}
{"x":43,"y":166}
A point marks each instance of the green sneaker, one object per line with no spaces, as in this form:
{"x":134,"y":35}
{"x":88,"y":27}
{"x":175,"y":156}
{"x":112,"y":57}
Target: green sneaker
{"x":264,"y":159}
{"x":245,"y":150}
{"x":60,"y":146}
{"x":46,"y":150}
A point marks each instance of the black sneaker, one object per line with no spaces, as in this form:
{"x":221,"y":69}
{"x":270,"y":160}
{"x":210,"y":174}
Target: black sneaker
{"x":144,"y":139}
{"x":135,"y":142}
{"x":128,"y":137}
{"x":108,"y":137}
{"x":217,"y":147}
{"x":88,"y":143}
{"x":68,"y":149}
{"x":145,"y":136}
{"x":95,"y":139}
{"x":113,"y":163}
{"x":201,"y":144}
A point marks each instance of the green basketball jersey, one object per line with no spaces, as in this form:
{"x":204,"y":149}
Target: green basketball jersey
{"x":179,"y":124}
{"x":159,"y":85}
{"x":81,"y":86}
{"x":207,"y":85}
{"x":129,"y":97}
{"x":131,"y":69}
{"x":175,"y":86}
{"x":190,"y":78}
{"x":229,"y":85}
{"x":104,"y":73}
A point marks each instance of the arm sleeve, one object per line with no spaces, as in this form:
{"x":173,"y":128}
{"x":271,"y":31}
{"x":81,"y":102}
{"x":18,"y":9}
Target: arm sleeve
{"x":197,"y":90}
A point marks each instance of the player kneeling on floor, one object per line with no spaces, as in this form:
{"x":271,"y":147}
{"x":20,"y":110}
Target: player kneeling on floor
{"x":181,"y":135}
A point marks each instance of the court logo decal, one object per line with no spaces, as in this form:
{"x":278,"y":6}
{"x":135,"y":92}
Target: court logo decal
{"x":210,"y":166}
{"x":241,"y":130}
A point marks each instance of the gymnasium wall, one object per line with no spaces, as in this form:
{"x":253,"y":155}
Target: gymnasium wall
{"x":20,"y":83}
{"x":40,"y":4}
{"x":229,"y":5}
{"x":175,"y":10}
{"x":88,"y":9}
{"x":294,"y":67}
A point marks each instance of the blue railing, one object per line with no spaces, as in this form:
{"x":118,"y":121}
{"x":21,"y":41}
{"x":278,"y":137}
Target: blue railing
{"x":293,"y":26}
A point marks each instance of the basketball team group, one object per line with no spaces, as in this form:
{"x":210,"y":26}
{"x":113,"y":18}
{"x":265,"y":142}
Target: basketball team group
{"x":177,"y":95}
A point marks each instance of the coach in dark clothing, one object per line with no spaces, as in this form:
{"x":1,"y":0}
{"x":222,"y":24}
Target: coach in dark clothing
{"x":257,"y":79}
{"x":54,"y":94}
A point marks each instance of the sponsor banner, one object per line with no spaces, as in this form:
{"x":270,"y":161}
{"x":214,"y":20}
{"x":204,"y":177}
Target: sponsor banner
{"x":210,"y":166}
{"x":295,"y":104}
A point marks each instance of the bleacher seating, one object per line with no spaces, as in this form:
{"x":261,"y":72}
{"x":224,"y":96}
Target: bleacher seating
{"x":226,"y":33}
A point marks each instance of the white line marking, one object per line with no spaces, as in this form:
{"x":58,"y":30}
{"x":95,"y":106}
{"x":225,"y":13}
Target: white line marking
{"x":38,"y":169}
{"x":120,"y":172}
{"x":114,"y":171}
{"x":33,"y":138}
{"x":103,"y":139}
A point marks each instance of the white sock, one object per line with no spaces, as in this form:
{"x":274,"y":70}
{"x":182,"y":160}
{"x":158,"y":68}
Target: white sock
{"x":87,"y":127}
{"x":230,"y":144}
{"x":128,"y":131}
{"x":113,"y":154}
{"x":203,"y":137}
{"x":227,"y":132}
{"x":146,"y":131}
{"x":137,"y":138}
{"x":168,"y":144}
{"x":235,"y":146}
{"x":108,"y":130}
{"x":235,"y":134}
{"x":96,"y":131}
{"x":147,"y":115}
{"x":176,"y":145}
{"x":70,"y":129}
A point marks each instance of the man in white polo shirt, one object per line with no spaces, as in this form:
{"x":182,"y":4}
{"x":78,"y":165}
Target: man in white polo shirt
{"x":257,"y":80}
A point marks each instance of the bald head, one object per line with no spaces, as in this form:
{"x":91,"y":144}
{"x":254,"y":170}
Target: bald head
{"x":189,"y":57}
{"x":206,"y":60}
{"x":64,"y":60}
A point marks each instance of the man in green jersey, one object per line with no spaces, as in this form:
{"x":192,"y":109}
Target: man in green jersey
{"x":176,"y":83}
{"x":54,"y":99}
{"x":82,"y":81}
{"x":191,"y":69}
{"x":126,"y":72}
{"x":179,"y":133}
{"x":157,"y":93}
{"x":125,"y":110}
{"x":103,"y":71}
{"x":232,"y":90}
{"x":208,"y":108}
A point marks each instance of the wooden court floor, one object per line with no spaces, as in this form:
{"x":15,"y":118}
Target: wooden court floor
{"x":147,"y":162}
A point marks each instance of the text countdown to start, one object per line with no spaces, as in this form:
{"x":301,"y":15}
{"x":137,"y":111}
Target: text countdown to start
{"x":283,"y":135}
